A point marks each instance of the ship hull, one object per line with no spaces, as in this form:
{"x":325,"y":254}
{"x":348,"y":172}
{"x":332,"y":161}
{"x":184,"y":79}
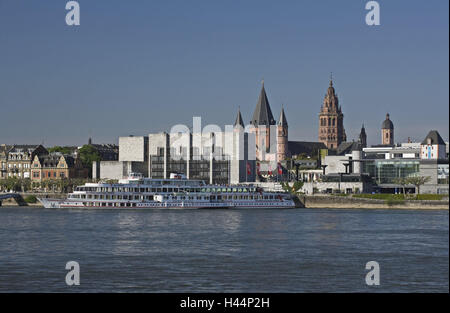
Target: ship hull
{"x":64,"y":204}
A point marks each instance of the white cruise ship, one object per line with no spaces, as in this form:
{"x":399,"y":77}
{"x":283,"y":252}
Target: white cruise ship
{"x":177,"y":192}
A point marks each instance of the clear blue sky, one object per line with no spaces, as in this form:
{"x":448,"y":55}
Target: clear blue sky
{"x":135,"y":67}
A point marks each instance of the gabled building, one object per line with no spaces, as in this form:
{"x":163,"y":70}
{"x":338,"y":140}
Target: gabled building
{"x":4,"y":160}
{"x":17,"y":160}
{"x":433,"y":147}
{"x":434,"y":164}
{"x":57,"y":166}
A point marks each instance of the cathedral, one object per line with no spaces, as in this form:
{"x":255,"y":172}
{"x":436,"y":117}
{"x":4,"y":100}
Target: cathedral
{"x":271,"y":136}
{"x":331,"y":120}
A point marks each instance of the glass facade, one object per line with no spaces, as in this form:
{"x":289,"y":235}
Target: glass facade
{"x":386,"y":171}
{"x":198,"y":169}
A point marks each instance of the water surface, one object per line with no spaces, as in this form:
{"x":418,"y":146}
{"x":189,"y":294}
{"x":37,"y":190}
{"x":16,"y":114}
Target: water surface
{"x":300,"y":250}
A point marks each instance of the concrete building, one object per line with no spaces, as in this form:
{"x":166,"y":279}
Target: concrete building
{"x":220,"y":157}
{"x":132,"y":157}
{"x":216,"y":157}
{"x":340,"y":183}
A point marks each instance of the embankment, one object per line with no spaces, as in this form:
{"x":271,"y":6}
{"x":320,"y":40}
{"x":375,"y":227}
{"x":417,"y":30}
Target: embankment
{"x":13,"y":202}
{"x":338,"y":202}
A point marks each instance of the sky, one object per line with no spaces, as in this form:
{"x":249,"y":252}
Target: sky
{"x":138,"y":67}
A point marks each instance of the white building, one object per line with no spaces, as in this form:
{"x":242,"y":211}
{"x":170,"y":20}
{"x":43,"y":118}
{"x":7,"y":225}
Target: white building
{"x":433,"y":147}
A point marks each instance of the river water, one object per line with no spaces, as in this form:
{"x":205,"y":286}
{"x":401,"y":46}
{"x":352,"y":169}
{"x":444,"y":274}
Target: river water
{"x":292,"y":250}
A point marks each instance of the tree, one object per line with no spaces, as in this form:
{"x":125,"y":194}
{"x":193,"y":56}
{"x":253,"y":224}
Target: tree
{"x":293,"y":190}
{"x":418,"y":181}
{"x":89,"y":154}
{"x":402,"y":182}
{"x":63,"y":150}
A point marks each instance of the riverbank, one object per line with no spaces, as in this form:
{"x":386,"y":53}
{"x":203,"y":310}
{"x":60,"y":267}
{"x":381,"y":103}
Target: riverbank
{"x":37,"y":204}
{"x":338,"y":202}
{"x":311,"y":202}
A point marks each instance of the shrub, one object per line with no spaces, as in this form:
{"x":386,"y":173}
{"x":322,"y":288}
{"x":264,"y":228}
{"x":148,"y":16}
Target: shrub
{"x":379,"y":196}
{"x":386,"y":196}
{"x":30,"y":199}
{"x":429,"y":197}
{"x":393,"y":201}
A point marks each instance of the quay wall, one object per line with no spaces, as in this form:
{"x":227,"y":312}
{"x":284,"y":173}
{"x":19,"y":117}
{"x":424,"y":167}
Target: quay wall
{"x":338,"y":202}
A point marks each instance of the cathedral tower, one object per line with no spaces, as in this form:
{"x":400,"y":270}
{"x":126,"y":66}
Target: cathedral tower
{"x":282,"y":137}
{"x":261,"y":124}
{"x":387,"y":131}
{"x":363,"y":137}
{"x":331,"y":120}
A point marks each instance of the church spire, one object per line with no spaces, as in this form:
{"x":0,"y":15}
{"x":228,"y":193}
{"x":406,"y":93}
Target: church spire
{"x":282,"y":121}
{"x":262,"y":114}
{"x":239,"y":121}
{"x":363,"y":137}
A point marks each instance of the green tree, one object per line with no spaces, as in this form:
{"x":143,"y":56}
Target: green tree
{"x":88,"y":154}
{"x":402,"y":182}
{"x":63,"y":150}
{"x":418,"y":181}
{"x":293,"y":190}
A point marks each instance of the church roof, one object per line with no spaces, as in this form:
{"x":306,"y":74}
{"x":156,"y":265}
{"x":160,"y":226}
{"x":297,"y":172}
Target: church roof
{"x":436,"y":139}
{"x":387,"y":123}
{"x":348,"y":147}
{"x":262,"y":114}
{"x":306,"y":147}
{"x":363,"y":130}
{"x":282,"y":121}
{"x":239,"y":121}
{"x":331,"y":100}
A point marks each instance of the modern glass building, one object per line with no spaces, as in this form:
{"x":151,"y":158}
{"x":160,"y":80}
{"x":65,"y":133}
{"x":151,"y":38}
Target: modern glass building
{"x":385,"y":171}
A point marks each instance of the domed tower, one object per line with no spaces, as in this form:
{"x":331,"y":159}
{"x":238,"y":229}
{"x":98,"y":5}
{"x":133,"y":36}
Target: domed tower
{"x":387,"y":131}
{"x":282,"y":137}
{"x":331,"y":120}
{"x":363,"y":137}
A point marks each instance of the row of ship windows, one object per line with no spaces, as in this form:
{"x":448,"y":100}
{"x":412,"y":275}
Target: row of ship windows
{"x":130,"y":189}
{"x":118,"y":204}
{"x":141,"y":197}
